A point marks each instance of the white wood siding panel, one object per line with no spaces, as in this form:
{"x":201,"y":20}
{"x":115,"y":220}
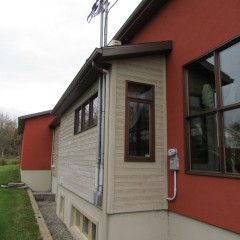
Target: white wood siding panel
{"x":137,"y":186}
{"x":77,"y":153}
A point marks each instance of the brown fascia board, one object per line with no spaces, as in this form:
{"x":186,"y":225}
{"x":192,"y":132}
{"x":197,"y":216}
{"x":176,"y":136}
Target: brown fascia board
{"x":144,"y":12}
{"x":22,"y":119}
{"x":35,"y":114}
{"x":136,"y":50}
{"x":88,"y":74}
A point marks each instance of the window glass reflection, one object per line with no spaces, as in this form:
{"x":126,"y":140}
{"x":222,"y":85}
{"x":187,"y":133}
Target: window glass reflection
{"x":139,"y":129}
{"x":230,"y":74}
{"x":204,"y":143}
{"x":86,"y":115}
{"x":80,"y":120}
{"x":140,"y":91}
{"x":94,"y":110}
{"x":232,"y":140}
{"x":202,"y":86}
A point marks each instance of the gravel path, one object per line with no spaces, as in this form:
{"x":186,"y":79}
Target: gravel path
{"x":56,"y":227}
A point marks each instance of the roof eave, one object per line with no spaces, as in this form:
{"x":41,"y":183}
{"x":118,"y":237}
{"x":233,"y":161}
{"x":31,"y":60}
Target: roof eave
{"x":84,"y":71}
{"x":136,"y":50}
{"x":88,"y":74}
{"x":22,"y":119}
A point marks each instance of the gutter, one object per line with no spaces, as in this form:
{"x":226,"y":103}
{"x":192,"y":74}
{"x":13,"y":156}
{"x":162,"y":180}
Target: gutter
{"x":101,"y":56}
{"x":99,"y":170}
{"x":102,"y":147}
{"x":79,"y":78}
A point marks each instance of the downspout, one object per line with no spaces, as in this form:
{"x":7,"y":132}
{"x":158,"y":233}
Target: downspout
{"x":52,"y":165}
{"x":100,"y":142}
{"x":100,"y":190}
{"x":98,"y":159}
{"x":106,"y":152}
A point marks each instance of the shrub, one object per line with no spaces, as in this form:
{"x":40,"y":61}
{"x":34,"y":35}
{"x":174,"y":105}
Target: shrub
{"x":3,"y":162}
{"x":9,"y":160}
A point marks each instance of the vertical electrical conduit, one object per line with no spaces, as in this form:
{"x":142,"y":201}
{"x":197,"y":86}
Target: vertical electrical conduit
{"x":174,"y":187}
{"x":101,"y":170}
{"x":98,"y":159}
{"x":106,"y":152}
{"x":100,"y":144}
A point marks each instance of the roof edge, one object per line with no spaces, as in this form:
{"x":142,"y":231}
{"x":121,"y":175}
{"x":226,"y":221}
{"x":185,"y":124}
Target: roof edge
{"x":144,"y":12}
{"x":35,"y":114}
{"x":83,"y":71}
{"x":22,"y":119}
{"x":101,"y":56}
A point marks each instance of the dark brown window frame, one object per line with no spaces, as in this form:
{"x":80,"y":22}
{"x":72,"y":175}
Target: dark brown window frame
{"x":90,"y":119}
{"x":219,"y":111}
{"x":151,"y":124}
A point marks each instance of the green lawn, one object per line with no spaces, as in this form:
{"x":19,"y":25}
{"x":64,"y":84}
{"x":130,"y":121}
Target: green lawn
{"x":9,"y":173}
{"x":17,"y":220}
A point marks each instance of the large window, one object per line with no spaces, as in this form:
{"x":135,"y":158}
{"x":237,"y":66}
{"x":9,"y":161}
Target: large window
{"x":139,"y":145}
{"x":86,"y":115}
{"x":213,"y":112}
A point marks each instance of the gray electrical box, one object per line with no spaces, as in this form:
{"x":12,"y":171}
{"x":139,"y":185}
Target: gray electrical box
{"x":174,"y":163}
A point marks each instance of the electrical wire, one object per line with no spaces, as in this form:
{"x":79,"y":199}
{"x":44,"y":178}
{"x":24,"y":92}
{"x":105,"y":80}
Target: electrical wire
{"x":97,"y":8}
{"x":112,"y":5}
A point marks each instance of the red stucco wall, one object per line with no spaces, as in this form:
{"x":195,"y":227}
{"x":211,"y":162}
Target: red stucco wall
{"x":36,"y":148}
{"x":195,"y":28}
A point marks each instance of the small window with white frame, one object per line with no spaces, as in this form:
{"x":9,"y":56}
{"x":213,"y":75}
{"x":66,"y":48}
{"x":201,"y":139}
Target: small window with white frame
{"x":61,"y":207}
{"x":82,"y":226}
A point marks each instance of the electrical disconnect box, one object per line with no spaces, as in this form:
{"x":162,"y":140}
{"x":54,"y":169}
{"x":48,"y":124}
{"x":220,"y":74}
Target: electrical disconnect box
{"x":174,"y":160}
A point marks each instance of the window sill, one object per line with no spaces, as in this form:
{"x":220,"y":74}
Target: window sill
{"x":213,"y":174}
{"x":85,"y":129}
{"x":139,"y":159}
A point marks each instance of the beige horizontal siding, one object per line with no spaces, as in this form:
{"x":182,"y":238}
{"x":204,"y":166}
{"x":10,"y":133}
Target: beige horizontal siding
{"x":77,"y":153}
{"x":55,"y":153}
{"x":137,"y":186}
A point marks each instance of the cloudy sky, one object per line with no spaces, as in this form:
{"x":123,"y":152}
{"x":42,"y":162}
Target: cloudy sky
{"x":43,"y":44}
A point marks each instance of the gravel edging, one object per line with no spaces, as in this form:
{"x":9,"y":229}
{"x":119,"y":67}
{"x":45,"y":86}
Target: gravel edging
{"x":57,"y":228}
{"x":45,"y":234}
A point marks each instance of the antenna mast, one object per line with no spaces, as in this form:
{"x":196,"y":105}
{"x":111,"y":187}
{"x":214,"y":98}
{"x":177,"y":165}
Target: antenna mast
{"x":101,"y":7}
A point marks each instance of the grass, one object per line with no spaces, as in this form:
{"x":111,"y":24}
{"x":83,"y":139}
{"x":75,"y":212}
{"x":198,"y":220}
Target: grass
{"x":9,"y":173}
{"x":17,"y":220}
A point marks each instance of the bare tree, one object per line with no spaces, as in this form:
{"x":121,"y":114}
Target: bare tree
{"x":7,"y":131}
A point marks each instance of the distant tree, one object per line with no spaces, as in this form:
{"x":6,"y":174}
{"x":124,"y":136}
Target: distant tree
{"x":234,"y":133}
{"x":8,"y":134}
{"x":233,"y":151}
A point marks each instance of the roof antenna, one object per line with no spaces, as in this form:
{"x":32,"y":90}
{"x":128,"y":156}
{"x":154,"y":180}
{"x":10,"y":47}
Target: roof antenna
{"x":101,"y":7}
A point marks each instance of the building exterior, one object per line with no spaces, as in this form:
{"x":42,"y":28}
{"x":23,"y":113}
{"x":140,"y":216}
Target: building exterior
{"x":204,"y":60}
{"x":172,"y":84}
{"x":55,"y":154}
{"x":99,"y":182}
{"x":36,"y":150}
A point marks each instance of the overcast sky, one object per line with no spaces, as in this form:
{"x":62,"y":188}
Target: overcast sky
{"x":43,"y":44}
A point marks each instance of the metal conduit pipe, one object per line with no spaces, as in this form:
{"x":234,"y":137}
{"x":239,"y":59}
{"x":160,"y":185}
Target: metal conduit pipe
{"x":100,"y":144}
{"x":98,"y":140}
{"x":174,"y":188}
{"x":100,"y":190}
